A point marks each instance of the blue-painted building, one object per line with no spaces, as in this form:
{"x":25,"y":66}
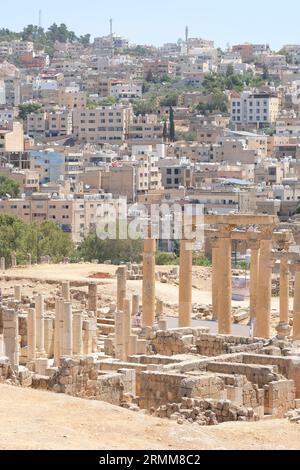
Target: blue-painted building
{"x":52,"y":164}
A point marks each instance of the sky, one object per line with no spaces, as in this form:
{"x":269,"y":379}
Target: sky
{"x":159,"y":21}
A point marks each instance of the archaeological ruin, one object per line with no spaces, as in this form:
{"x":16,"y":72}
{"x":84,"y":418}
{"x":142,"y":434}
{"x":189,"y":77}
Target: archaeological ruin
{"x":128,"y":352}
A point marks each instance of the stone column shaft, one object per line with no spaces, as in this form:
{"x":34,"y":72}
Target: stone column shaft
{"x":127,"y":326}
{"x":264,"y":294}
{"x":121,"y":286}
{"x":11,"y":337}
{"x":18,"y":293}
{"x":215,"y":279}
{"x":119,"y":336}
{"x":57,"y":333}
{"x":284,"y":291}
{"x":67,"y":329}
{"x":2,"y":264}
{"x":77,"y":334}
{"x":185,"y":283}
{"x":65,"y":290}
{"x":296,"y":322}
{"x":225,"y":283}
{"x":135,"y":304}
{"x":93,"y":297}
{"x":149,"y":282}
{"x":40,"y":331}
{"x":13,"y":260}
{"x":254,"y":270}
{"x":31,"y":335}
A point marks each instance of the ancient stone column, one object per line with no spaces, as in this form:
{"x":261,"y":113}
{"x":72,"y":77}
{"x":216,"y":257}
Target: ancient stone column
{"x":29,"y":259}
{"x":49,"y":336}
{"x":31,"y":335}
{"x":2,"y":264}
{"x":284,"y":290}
{"x":135,"y":304}
{"x":18,"y":293}
{"x":159,"y":309}
{"x":133,"y":345}
{"x":121,"y":286}
{"x":254,"y":267}
{"x":127,"y":326}
{"x":93,"y":323}
{"x":11,"y":337}
{"x":149,"y":282}
{"x":88,"y":331}
{"x":119,"y":336}
{"x":185,"y":283}
{"x":13,"y":260}
{"x":296,"y":322}
{"x":65,"y":290}
{"x":57,"y":332}
{"x":264,"y":291}
{"x":225,"y":280}
{"x":93,"y":297}
{"x":215,"y":273}
{"x":40,"y":331}
{"x":77,"y":333}
{"x":67,"y":330}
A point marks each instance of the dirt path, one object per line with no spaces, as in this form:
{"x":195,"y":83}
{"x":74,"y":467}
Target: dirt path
{"x":32,"y":419}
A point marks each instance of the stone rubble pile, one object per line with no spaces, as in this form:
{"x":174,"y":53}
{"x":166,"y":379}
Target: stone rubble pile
{"x":206,"y":412}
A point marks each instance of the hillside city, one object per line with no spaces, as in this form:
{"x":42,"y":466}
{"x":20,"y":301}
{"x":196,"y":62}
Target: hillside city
{"x":142,"y":342}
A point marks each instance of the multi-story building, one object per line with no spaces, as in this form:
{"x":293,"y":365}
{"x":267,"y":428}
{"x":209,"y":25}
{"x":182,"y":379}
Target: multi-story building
{"x":60,"y":123}
{"x":49,"y":164}
{"x":37,"y":124}
{"x":145,"y":130}
{"x":104,"y":124}
{"x":126,"y":90}
{"x":159,"y":68}
{"x":12,"y":137}
{"x":72,"y":98}
{"x":21,"y":47}
{"x":259,"y":109}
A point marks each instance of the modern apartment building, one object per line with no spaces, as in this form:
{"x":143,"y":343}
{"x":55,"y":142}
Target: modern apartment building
{"x":259,"y":109}
{"x":145,"y":130}
{"x":11,"y":137}
{"x":104,"y":124}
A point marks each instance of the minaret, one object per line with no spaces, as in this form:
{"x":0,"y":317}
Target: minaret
{"x":187,"y":39}
{"x":111,"y":26}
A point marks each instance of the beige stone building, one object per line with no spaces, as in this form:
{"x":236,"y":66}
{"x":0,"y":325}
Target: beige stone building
{"x":71,"y":98}
{"x":75,"y":215}
{"x":104,"y":124}
{"x":60,"y":123}
{"x":12,"y":137}
{"x":145,"y":130}
{"x":259,"y":109}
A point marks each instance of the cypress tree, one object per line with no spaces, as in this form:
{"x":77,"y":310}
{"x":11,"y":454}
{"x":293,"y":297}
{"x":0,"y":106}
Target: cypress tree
{"x":172,"y":126}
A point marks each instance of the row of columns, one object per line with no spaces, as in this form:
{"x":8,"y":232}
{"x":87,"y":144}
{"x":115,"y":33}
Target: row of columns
{"x":260,"y":283}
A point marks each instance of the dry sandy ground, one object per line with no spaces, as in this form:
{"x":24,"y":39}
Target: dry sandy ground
{"x":168,"y":293}
{"x":82,"y":272}
{"x":32,"y":419}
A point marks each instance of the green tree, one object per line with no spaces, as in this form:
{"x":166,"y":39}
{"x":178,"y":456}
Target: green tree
{"x":169,"y":100}
{"x":166,"y":259}
{"x":118,"y":251}
{"x":172,"y":135}
{"x":8,"y":187}
{"x":150,"y":76}
{"x":297,"y":210}
{"x":47,"y":239}
{"x":28,"y":108}
{"x":38,"y":238}
{"x":165,"y":131}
